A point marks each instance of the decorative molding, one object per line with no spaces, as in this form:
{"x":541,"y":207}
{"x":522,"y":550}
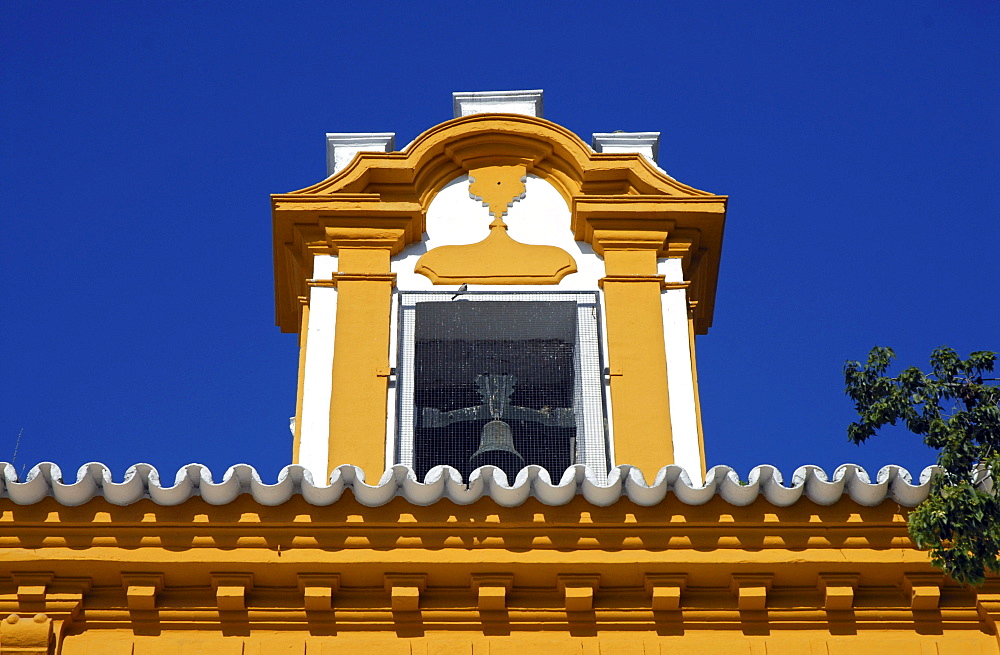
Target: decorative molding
{"x":498,"y":187}
{"x":497,"y":259}
{"x":485,"y":569}
{"x":637,"y":277}
{"x":391,"y":192}
{"x":19,"y":634}
{"x":353,"y":277}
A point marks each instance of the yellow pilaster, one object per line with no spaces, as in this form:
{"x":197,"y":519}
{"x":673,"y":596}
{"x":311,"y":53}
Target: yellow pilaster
{"x":361,"y":357}
{"x":637,"y":360}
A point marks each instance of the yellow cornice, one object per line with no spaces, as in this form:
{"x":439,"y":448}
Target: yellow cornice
{"x":100,"y":568}
{"x":393,"y":190}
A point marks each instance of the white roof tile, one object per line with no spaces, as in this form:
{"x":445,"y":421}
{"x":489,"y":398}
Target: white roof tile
{"x":143,"y":481}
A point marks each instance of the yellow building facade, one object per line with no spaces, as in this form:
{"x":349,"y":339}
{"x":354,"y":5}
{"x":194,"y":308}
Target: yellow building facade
{"x":497,"y":444}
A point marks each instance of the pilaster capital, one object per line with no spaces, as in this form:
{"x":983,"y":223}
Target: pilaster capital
{"x":391,"y":238}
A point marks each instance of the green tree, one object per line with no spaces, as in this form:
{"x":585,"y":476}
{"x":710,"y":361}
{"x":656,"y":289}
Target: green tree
{"x":957,"y":411}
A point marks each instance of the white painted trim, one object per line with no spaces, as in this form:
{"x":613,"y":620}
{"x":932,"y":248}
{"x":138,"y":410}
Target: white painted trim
{"x":680,"y":381}
{"x":528,"y":102}
{"x":317,"y":380}
{"x":606,"y":379}
{"x":342,"y":146}
{"x":646,"y":144}
{"x":391,"y":398}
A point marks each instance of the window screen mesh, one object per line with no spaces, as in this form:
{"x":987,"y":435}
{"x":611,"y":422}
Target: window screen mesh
{"x":507,"y":379}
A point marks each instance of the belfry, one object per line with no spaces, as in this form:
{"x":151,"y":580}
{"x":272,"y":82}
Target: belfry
{"x":497,"y":445}
{"x":587,"y":271}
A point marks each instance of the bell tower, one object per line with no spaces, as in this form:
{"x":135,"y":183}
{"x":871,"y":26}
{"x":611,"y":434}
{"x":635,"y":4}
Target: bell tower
{"x":497,"y":293}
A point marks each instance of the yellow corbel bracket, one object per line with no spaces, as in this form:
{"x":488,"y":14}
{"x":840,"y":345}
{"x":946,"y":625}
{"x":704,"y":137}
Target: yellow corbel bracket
{"x":923,"y":590}
{"x":838,"y":590}
{"x":318,"y":590}
{"x":31,"y":586}
{"x":578,"y":591}
{"x":665,"y":591}
{"x":491,"y":589}
{"x":988,"y":605}
{"x":141,"y":589}
{"x":751,"y":590}
{"x":404,"y":590}
{"x":231,"y":590}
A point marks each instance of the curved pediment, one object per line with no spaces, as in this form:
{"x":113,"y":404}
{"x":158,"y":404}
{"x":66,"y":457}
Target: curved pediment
{"x":457,"y":146}
{"x":616,"y":201}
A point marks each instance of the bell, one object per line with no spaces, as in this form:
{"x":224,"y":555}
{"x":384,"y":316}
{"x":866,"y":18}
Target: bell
{"x":496,"y":447}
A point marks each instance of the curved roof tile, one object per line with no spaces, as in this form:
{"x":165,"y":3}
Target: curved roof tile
{"x":143,"y":481}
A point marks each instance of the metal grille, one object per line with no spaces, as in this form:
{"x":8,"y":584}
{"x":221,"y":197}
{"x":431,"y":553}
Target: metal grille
{"x":507,"y":379}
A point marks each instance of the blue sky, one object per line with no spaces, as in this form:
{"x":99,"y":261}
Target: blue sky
{"x":858,"y":143}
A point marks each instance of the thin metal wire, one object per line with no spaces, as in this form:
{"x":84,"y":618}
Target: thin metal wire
{"x":546,"y":348}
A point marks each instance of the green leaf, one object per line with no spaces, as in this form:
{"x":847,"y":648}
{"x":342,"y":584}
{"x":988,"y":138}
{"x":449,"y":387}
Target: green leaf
{"x":957,"y":412}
